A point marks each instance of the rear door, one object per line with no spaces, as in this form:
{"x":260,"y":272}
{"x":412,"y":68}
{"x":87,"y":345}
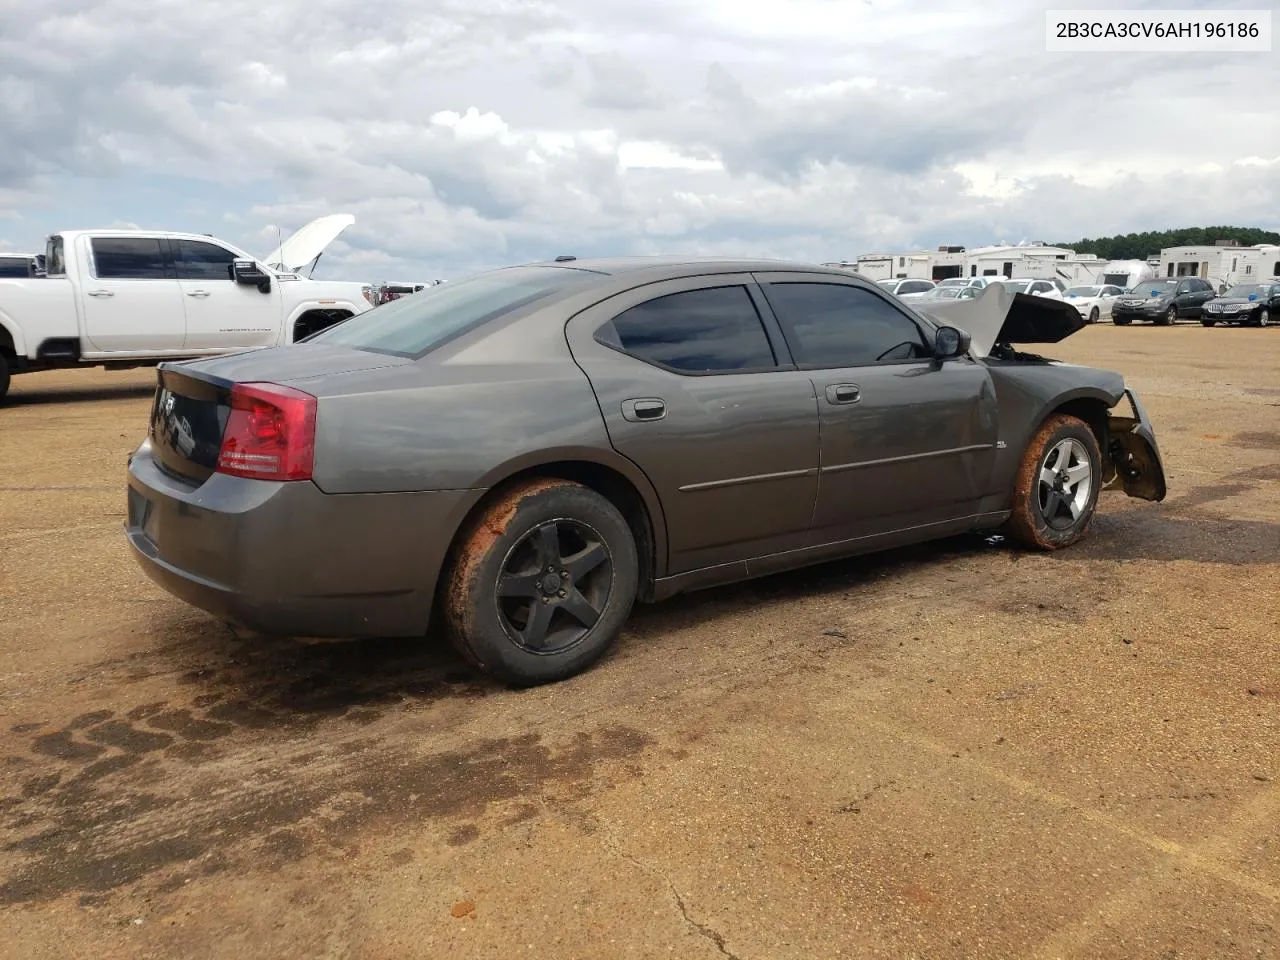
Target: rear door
{"x":696,"y":389}
{"x":130,"y":297}
{"x":220,"y":313}
{"x":906,"y":441}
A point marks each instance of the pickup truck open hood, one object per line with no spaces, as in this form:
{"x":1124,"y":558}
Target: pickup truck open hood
{"x":309,"y":242}
{"x":997,"y":316}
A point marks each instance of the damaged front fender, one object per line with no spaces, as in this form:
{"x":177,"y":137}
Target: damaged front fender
{"x":1133,"y":456}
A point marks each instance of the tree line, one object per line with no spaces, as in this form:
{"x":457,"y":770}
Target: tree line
{"x":1140,"y":246}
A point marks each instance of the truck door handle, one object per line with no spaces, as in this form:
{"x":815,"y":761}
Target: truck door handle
{"x":197,"y":293}
{"x":843,"y":393}
{"x":101,"y":293}
{"x":645,"y":408}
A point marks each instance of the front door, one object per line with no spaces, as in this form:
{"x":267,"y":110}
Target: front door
{"x":130,"y":296}
{"x":906,"y":441}
{"x":688,"y":378}
{"x":222,"y":314}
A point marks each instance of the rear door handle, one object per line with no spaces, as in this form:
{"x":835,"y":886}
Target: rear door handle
{"x":197,"y":293}
{"x":644,"y":408}
{"x":843,"y":393}
{"x":101,"y":293}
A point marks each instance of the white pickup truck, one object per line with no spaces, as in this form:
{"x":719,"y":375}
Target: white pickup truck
{"x":128,"y":298}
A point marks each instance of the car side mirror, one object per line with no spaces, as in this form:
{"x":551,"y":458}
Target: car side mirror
{"x":950,"y":342}
{"x":250,"y":274}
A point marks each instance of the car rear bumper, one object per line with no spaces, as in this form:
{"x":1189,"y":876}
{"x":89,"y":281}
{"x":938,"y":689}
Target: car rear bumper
{"x":287,"y":558}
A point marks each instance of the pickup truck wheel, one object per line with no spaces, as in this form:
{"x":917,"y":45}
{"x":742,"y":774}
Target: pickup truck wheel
{"x":541,"y":583}
{"x":4,"y":376}
{"x":1056,"y":490}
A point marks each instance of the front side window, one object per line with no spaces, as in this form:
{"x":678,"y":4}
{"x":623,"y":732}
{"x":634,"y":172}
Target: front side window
{"x":413,"y":326}
{"x":128,"y":258}
{"x":716,"y":330}
{"x":197,"y":260}
{"x":833,"y":325}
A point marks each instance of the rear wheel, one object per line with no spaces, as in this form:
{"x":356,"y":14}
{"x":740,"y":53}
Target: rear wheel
{"x":541,"y":582}
{"x":1056,"y":490}
{"x":4,"y":375}
{"x":1093,"y":315}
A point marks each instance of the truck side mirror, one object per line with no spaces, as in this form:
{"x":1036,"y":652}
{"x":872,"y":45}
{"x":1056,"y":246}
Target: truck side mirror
{"x":250,"y":274}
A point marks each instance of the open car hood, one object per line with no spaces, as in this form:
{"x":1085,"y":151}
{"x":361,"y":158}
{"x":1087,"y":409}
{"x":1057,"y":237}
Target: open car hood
{"x":309,"y":242}
{"x":997,"y":316}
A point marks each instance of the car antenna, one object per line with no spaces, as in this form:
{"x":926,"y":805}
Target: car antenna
{"x":565,"y":258}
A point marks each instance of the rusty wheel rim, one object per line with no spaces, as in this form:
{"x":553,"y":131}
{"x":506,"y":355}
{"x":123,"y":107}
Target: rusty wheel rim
{"x":553,"y":586}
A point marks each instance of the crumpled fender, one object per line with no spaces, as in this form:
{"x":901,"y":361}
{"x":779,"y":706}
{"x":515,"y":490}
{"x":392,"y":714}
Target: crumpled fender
{"x":1133,"y":460}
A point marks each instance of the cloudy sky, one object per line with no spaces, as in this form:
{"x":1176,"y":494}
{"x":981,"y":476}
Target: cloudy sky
{"x":464,"y":134}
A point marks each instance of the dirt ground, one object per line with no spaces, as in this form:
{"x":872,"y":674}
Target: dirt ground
{"x":957,"y":750}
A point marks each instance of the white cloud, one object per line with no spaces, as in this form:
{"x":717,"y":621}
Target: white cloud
{"x":469,"y":133}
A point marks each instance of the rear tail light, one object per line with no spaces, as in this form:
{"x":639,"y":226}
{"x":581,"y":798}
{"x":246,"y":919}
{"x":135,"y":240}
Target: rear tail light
{"x":270,"y":434}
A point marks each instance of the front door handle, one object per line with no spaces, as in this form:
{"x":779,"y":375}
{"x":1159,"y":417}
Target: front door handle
{"x":644,"y":408}
{"x":197,"y":293}
{"x":843,"y":393}
{"x":101,"y":293}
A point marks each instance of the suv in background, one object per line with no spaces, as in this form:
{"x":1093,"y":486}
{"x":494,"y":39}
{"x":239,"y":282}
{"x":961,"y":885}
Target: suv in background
{"x":907,"y":289}
{"x":1163,"y":301}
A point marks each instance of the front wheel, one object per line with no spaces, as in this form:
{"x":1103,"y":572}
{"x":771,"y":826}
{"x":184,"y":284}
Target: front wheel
{"x":4,"y":376}
{"x":1208,"y":323}
{"x":1056,"y":490}
{"x":541,"y":583}
{"x":1093,"y":315}
{"x":1120,"y":321}
{"x":1170,"y":317}
{"x":1264,"y":318}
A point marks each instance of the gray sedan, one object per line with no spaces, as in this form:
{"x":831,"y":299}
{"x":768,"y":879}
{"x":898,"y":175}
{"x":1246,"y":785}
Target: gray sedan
{"x":517,"y":457}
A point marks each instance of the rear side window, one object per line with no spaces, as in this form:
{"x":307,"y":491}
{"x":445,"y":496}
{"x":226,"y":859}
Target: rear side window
{"x":128,"y":258}
{"x":413,"y":326}
{"x":197,"y":260}
{"x":832,"y":325}
{"x":716,"y":330}
{"x":14,"y":267}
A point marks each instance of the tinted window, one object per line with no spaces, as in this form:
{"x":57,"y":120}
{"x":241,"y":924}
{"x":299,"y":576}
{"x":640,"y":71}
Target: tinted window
{"x":197,"y":260}
{"x":831,"y":325}
{"x":699,"y":331}
{"x":128,"y":258}
{"x":14,"y":267}
{"x":411,"y":326}
{"x":915,"y":286}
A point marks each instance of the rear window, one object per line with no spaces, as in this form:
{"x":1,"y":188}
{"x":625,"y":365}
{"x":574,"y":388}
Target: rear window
{"x":15,"y":267}
{"x":412,"y":326}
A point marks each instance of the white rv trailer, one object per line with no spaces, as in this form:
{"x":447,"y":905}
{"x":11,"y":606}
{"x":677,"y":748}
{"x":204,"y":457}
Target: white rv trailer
{"x":1126,"y":274}
{"x":1222,"y":264}
{"x":944,"y":262}
{"x":1034,"y":260}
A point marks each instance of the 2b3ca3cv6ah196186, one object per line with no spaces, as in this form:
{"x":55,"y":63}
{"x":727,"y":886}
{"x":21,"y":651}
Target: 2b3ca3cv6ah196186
{"x":519,"y":456}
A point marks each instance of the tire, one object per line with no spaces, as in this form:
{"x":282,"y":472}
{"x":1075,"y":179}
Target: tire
{"x":539,"y":628}
{"x":4,"y":376}
{"x":1041,"y":518}
{"x":1208,"y":323}
{"x":1121,"y":321}
{"x":1093,"y":315}
{"x":1170,"y":317}
{"x":1264,"y":318}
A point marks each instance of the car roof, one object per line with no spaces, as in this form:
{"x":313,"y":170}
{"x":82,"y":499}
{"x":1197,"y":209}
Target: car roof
{"x":684,"y":265}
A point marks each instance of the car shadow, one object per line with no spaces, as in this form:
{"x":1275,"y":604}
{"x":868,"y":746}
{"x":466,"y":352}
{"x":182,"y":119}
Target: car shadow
{"x":19,"y":397}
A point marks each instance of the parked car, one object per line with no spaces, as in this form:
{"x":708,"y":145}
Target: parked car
{"x":1094,"y":302}
{"x":386,"y":292}
{"x":907,"y":289}
{"x":1032,"y":286}
{"x":951,"y":293}
{"x":978,"y":283}
{"x":527,"y":451}
{"x":134,"y":297}
{"x":1163,"y":301}
{"x":1251,"y":304}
